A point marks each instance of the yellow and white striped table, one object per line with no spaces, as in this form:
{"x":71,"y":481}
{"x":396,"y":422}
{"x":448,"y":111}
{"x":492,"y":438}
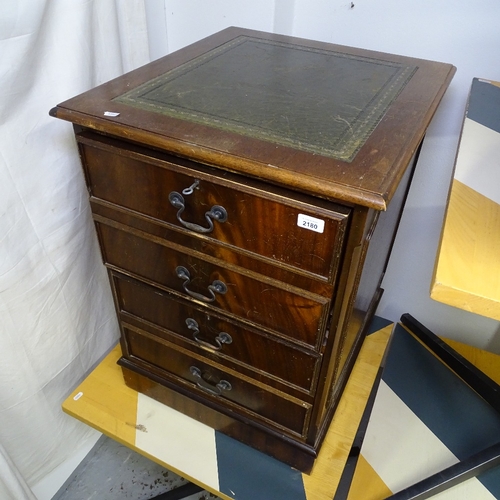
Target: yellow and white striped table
{"x":467,"y":271}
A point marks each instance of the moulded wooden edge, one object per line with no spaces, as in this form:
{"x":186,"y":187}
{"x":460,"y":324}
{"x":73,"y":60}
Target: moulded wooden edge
{"x":334,"y":191}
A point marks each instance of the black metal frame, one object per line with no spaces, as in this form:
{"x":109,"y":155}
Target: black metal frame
{"x":456,"y":474}
{"x":180,"y":492}
{"x":487,"y":388}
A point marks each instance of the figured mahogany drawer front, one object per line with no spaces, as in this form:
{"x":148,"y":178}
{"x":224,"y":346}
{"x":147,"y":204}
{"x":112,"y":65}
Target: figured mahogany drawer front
{"x":215,"y":335}
{"x":239,"y":214}
{"x":216,"y":383}
{"x":286,"y":310}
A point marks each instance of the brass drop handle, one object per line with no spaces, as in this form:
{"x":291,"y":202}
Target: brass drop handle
{"x":214,"y":390}
{"x":222,"y":337}
{"x":217,"y":286}
{"x":217,"y":212}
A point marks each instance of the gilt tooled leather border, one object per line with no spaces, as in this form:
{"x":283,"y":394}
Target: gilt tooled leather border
{"x":314,"y":100}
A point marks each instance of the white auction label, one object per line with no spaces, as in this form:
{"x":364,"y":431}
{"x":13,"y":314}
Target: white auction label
{"x":311,"y":223}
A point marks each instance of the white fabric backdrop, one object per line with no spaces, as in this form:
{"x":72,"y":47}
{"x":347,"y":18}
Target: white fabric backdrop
{"x":56,"y":313}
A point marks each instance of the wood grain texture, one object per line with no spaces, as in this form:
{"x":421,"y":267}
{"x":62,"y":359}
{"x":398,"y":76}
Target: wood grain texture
{"x":467,"y":270}
{"x":258,"y":221}
{"x":288,"y":310}
{"x":367,"y":484}
{"x":467,"y":273}
{"x":255,"y":352}
{"x":110,"y":406}
{"x":281,"y":445}
{"x":105,"y":402}
{"x":325,"y":476}
{"x":260,"y":216}
{"x":370,"y":179}
{"x":240,"y":394}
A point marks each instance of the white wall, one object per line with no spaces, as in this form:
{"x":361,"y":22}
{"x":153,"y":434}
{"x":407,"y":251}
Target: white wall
{"x":462,"y":32}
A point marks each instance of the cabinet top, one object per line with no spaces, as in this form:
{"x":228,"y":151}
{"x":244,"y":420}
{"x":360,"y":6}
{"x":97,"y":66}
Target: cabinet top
{"x":333,"y":121}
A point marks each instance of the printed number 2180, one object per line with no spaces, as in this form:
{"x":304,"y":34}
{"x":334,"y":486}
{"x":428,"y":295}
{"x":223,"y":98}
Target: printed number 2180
{"x":311,"y":223}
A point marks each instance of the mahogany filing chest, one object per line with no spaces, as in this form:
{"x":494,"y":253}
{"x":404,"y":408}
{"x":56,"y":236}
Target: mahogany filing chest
{"x":246,"y":191}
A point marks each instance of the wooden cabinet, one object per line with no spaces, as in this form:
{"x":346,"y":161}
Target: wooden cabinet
{"x":246,"y":191}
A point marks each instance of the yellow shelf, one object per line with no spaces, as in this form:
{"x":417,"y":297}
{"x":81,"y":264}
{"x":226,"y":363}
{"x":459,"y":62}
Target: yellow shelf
{"x":467,"y":271}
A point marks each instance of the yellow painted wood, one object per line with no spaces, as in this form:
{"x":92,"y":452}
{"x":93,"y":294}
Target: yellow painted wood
{"x":327,"y":471}
{"x":105,"y":402}
{"x":109,"y":406}
{"x":467,"y":273}
{"x":487,"y":362}
{"x":366,"y":483}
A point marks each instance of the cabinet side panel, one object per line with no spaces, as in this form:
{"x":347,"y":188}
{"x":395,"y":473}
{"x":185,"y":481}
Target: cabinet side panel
{"x":363,"y":292}
{"x":381,"y":243}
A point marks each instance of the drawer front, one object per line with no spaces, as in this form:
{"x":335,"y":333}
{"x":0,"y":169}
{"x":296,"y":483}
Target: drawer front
{"x":236,"y":213}
{"x":285,"y":310}
{"x":212,"y":249}
{"x":220,"y":337}
{"x":215,"y":383}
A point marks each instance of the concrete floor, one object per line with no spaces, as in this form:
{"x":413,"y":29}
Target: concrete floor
{"x":112,"y":471}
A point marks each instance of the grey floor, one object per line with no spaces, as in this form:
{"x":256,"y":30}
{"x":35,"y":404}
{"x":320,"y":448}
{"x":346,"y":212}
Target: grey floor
{"x":112,"y":471}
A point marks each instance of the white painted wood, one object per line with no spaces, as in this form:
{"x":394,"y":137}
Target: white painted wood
{"x":399,"y":446}
{"x":478,"y":164}
{"x":410,"y":452}
{"x":162,"y":432}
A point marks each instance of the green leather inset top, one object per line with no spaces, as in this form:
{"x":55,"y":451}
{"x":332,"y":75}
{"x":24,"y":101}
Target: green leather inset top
{"x":314,"y":100}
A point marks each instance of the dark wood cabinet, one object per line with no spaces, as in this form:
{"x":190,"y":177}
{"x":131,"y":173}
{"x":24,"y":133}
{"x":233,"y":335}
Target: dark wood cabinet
{"x":246,"y":191}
